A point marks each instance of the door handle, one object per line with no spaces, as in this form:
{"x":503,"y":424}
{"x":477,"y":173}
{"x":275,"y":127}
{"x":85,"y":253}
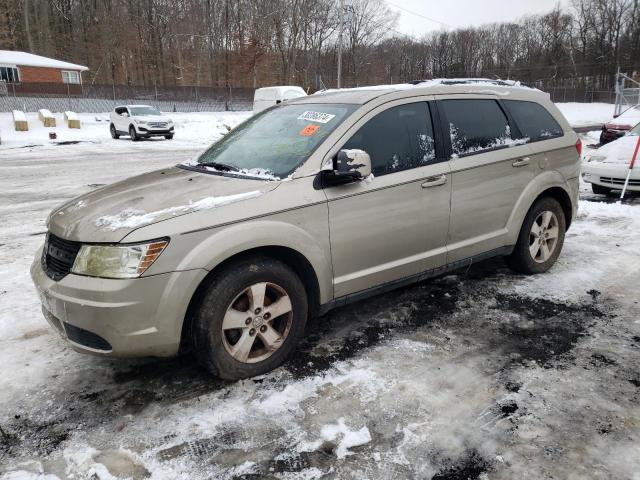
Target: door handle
{"x":434,"y":181}
{"x":521,"y":162}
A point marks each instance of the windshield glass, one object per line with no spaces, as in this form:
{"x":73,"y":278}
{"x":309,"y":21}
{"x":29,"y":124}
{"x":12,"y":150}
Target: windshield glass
{"x":635,"y":130}
{"x":142,"y":111}
{"x":275,"y":142}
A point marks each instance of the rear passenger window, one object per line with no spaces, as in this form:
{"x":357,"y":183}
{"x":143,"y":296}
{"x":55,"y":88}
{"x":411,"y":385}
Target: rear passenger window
{"x":533,"y":120}
{"x":475,"y":125}
{"x":397,"y":139}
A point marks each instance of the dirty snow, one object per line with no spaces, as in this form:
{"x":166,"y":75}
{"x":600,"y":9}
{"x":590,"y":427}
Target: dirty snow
{"x":482,"y":374}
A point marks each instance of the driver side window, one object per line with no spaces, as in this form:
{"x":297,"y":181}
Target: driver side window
{"x":397,"y":139}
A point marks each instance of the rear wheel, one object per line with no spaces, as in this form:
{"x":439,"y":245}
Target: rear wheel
{"x":133,"y":134}
{"x":541,"y":238}
{"x":600,"y":190}
{"x":250,"y":319}
{"x":114,"y":133}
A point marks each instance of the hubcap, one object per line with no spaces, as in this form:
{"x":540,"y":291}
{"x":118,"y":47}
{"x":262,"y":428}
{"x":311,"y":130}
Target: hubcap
{"x":543,"y":237}
{"x":257,"y":322}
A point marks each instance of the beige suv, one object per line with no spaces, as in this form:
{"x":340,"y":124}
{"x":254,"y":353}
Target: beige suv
{"x":308,"y":206}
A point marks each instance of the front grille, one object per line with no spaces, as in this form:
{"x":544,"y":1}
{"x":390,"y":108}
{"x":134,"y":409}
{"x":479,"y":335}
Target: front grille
{"x":86,"y":338}
{"x":58,"y":256}
{"x":158,"y":124}
{"x":620,"y":181}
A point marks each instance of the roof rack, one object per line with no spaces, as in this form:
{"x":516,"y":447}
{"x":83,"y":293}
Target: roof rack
{"x":469,"y":81}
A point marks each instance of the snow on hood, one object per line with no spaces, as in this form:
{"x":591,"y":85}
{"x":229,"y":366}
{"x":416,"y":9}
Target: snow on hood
{"x":619,"y":151}
{"x":112,"y":212}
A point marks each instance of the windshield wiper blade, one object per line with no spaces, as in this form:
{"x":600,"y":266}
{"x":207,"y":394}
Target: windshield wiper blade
{"x":225,"y":167}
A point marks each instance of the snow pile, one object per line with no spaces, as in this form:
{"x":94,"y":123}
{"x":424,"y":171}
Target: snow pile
{"x":133,"y":218}
{"x":69,"y":115}
{"x":19,"y":116}
{"x":581,"y":114}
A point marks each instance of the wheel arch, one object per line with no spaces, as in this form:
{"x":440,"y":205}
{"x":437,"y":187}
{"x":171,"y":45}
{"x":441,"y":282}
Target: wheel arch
{"x":289,"y":256}
{"x":549,"y":184}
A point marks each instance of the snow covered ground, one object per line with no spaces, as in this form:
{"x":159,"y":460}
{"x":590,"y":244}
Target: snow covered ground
{"x":479,"y":375}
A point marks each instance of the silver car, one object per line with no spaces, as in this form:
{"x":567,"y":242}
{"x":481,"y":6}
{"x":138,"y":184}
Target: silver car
{"x":305,"y":207}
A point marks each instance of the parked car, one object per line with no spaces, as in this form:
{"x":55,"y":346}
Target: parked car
{"x":319,"y":202}
{"x":269,"y":96}
{"x":620,"y":125}
{"x":140,"y":121}
{"x":607,"y":167}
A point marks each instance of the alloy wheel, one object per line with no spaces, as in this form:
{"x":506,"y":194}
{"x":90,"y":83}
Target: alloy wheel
{"x":543,"y":237}
{"x":257,"y":322}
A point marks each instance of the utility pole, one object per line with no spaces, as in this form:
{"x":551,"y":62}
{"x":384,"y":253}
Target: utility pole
{"x":341,"y":16}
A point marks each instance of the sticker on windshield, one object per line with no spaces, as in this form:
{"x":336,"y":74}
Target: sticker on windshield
{"x":316,"y":116}
{"x":309,"y":130}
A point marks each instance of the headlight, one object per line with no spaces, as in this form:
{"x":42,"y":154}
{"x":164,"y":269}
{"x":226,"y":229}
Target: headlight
{"x":141,"y":122}
{"x":117,"y":261}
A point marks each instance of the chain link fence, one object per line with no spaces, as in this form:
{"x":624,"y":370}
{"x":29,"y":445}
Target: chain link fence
{"x":59,"y":97}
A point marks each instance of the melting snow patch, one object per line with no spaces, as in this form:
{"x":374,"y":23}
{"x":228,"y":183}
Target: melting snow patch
{"x":344,"y":436}
{"x":132,"y":218}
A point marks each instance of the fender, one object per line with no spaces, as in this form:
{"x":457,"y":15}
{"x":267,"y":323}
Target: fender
{"x":544,"y":181}
{"x":217,"y":245}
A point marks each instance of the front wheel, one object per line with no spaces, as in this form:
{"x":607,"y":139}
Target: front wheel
{"x":133,"y":134}
{"x":541,"y":238}
{"x":114,"y":133}
{"x":250,"y":318}
{"x":168,"y":137}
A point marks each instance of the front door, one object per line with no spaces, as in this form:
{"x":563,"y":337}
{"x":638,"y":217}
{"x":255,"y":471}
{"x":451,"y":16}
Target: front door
{"x":393,"y":225}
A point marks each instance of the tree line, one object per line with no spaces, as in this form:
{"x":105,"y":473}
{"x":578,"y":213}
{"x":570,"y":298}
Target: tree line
{"x":251,"y":43}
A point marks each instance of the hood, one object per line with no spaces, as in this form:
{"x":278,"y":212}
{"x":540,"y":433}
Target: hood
{"x":618,"y":152}
{"x":152,"y":118}
{"x":112,"y":212}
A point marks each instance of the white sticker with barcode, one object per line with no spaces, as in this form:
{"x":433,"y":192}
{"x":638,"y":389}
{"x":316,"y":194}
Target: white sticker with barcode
{"x":316,"y":117}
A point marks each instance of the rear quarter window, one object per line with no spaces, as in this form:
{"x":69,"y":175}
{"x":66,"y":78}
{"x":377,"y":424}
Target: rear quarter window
{"x":475,"y":125}
{"x":533,"y":120}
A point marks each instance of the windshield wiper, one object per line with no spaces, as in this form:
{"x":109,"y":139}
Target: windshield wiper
{"x":220,"y":166}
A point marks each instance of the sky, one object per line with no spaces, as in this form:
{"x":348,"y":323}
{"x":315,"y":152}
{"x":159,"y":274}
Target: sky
{"x":462,"y":13}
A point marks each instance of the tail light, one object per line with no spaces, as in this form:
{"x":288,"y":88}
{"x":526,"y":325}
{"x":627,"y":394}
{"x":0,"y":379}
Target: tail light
{"x":579,"y":148}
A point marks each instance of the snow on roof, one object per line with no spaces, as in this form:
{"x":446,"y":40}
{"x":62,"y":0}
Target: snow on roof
{"x":11,"y":57}
{"x":486,"y":82}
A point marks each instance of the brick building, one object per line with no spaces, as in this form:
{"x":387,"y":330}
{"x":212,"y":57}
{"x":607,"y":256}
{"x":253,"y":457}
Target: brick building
{"x":29,"y":73}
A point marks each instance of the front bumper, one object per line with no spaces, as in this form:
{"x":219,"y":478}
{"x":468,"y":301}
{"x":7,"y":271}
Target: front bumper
{"x":611,"y":176}
{"x":154,"y":132}
{"x":121,"y":318}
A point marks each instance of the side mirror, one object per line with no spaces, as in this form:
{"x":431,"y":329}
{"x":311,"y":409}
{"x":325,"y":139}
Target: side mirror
{"x":352,"y":164}
{"x":125,"y":114}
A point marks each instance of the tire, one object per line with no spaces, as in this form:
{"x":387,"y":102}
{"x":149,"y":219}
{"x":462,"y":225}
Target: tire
{"x":600,"y":190}
{"x":133,"y":134}
{"x":114,"y":133}
{"x":526,"y":258}
{"x":168,"y":137}
{"x":228,"y":300}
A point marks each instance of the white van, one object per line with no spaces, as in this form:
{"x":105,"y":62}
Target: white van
{"x":268,"y":96}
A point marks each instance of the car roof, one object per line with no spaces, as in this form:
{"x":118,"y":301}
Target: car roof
{"x":361,"y":95}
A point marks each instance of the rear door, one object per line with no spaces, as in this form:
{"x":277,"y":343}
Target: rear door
{"x":394,"y":225}
{"x":489,"y":168}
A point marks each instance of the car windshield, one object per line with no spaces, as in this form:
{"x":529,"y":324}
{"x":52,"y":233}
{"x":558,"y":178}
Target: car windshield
{"x":275,"y":142}
{"x":143,"y":111}
{"x":635,"y":130}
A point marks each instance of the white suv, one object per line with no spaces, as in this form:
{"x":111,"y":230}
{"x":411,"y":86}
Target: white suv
{"x":140,"y":121}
